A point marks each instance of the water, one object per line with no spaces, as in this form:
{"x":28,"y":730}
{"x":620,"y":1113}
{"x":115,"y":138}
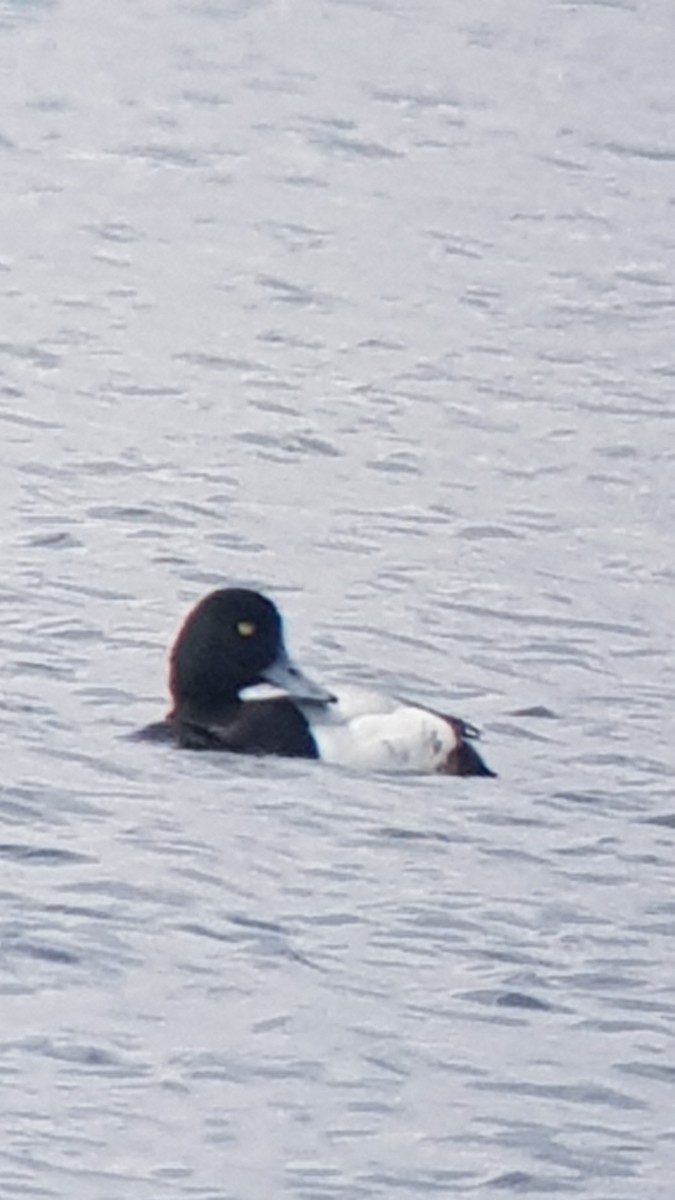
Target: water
{"x":370,"y":305}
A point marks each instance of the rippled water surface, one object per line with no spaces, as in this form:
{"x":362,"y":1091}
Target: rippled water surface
{"x":370,"y":304}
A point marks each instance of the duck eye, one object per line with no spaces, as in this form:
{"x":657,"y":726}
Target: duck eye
{"x":246,"y":628}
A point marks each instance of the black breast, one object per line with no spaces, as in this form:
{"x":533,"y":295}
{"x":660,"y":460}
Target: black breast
{"x":273,"y":726}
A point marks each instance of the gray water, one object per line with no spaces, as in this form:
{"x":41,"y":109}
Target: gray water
{"x":371,"y":305}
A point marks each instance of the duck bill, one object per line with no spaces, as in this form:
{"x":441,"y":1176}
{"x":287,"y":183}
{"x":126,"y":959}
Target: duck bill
{"x":284,"y":674}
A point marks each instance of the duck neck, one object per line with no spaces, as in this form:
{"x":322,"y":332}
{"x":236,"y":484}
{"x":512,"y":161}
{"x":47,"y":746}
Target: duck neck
{"x":201,"y":698}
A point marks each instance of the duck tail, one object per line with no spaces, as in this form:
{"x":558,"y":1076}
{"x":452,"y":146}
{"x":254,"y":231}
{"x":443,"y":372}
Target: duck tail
{"x":467,"y":761}
{"x":464,"y":759}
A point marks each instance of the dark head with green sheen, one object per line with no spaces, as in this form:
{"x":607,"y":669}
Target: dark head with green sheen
{"x":232,"y":640}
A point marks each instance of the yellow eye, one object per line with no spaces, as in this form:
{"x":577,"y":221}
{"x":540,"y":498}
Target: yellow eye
{"x":245,"y":628}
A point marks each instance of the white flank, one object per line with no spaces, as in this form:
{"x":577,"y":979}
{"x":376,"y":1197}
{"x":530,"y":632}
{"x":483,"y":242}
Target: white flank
{"x":369,"y":731}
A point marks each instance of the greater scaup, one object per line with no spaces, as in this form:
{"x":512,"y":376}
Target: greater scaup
{"x":232,"y":640}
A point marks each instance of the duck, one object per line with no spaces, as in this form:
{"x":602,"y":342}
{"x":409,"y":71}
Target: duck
{"x":232,"y":641}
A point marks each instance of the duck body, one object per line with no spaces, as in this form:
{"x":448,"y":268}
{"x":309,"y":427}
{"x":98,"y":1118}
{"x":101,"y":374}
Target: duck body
{"x":375,"y":732}
{"x":233,"y":640}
